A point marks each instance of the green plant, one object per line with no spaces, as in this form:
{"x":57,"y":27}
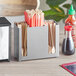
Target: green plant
{"x":56,"y":12}
{"x":74,"y":3}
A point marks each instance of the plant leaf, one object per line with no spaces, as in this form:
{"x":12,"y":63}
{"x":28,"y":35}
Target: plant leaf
{"x":66,"y":6}
{"x":56,"y":14}
{"x":55,"y":17}
{"x":58,"y":9}
{"x":74,"y":4}
{"x":54,"y":2}
{"x":54,"y":11}
{"x":50,"y":12}
{"x":74,"y":0}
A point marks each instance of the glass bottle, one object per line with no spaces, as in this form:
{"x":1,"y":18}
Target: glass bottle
{"x":68,"y":44}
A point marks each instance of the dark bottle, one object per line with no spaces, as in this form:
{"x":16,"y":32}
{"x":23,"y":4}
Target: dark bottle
{"x":68,"y":44}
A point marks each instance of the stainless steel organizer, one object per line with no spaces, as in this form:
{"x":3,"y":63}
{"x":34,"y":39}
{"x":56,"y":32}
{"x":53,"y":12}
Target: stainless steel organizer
{"x":5,"y":39}
{"x":37,"y":43}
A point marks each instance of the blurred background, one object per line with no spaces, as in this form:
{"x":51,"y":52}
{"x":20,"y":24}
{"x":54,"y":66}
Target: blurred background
{"x":53,"y":9}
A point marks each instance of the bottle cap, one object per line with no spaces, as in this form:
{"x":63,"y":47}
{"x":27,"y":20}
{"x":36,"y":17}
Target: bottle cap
{"x":71,"y":10}
{"x":68,"y":28}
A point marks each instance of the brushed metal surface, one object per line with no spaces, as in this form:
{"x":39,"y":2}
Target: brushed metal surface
{"x":4,"y":43}
{"x":37,"y":43}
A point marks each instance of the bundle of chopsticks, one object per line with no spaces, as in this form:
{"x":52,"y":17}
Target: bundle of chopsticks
{"x":34,"y":18}
{"x":23,"y":27}
{"x":51,"y":36}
